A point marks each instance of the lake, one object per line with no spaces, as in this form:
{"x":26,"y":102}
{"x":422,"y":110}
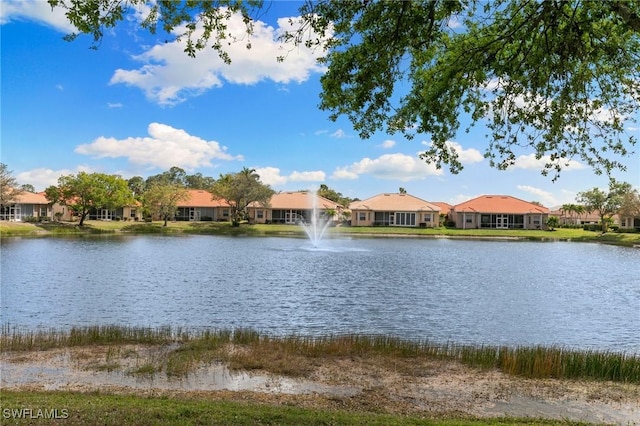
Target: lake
{"x":576,"y":295}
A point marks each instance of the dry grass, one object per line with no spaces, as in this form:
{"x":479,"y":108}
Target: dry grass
{"x":244,"y":349}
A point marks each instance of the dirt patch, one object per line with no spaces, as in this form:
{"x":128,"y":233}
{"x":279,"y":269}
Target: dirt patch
{"x":430,"y":387}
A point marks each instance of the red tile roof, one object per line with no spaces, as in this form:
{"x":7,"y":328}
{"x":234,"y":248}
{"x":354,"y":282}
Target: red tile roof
{"x":499,"y":204}
{"x":394,"y":202}
{"x":32,"y":198}
{"x":300,"y":200}
{"x":201,"y":198}
{"x":444,"y":207}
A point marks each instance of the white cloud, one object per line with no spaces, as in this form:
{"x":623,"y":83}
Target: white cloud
{"x":114,"y":105}
{"x":388,"y":144}
{"x":168,"y":76}
{"x":545,"y":197}
{"x":166,"y":147}
{"x":530,"y":162}
{"x":312,"y":176}
{"x":465,"y":156}
{"x":398,"y":166}
{"x":343,"y":173}
{"x":272,"y":176}
{"x":339,"y":134}
{"x":42,"y":178}
{"x":37,"y":10}
{"x":461,"y":198}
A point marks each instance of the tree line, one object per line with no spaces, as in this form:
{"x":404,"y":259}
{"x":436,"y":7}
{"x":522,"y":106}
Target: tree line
{"x":159,"y":195}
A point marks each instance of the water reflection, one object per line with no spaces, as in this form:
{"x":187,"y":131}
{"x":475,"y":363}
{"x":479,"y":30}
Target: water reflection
{"x":577,"y":295}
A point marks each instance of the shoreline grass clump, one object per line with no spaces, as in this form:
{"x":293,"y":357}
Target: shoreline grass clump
{"x":14,"y":339}
{"x":295,"y":355}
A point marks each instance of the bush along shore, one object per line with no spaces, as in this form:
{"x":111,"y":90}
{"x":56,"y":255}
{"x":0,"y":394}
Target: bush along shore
{"x":13,"y":229}
{"x":297,"y":355}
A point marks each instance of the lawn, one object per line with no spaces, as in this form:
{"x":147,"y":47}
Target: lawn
{"x":216,"y":228}
{"x":97,"y":408}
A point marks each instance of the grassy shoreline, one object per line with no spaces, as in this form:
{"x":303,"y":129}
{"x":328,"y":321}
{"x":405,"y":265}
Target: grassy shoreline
{"x":295,"y":355}
{"x":148,"y":353}
{"x":45,"y":229}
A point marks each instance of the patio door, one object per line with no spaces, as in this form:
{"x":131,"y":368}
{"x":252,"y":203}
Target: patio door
{"x":105,"y":214}
{"x":289,"y":217}
{"x":15,"y":213}
{"x":502,"y":221}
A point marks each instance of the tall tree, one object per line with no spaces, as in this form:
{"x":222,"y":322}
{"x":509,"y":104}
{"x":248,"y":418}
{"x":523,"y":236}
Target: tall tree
{"x":86,"y":191}
{"x":630,"y":204}
{"x":605,"y":203}
{"x":239,"y":190}
{"x":198,"y":181}
{"x":554,"y":78}
{"x":162,"y":198}
{"x":175,"y":175}
{"x":137,"y":185}
{"x":27,"y":187}
{"x":9,"y":189}
{"x":333,"y":195}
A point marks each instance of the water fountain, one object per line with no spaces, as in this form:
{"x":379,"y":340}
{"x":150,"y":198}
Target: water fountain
{"x":316,"y":226}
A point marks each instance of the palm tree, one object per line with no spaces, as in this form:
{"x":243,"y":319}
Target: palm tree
{"x":579,"y":209}
{"x":566,"y":208}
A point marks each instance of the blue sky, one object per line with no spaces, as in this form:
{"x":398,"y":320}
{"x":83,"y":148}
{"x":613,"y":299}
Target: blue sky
{"x":138,"y":106}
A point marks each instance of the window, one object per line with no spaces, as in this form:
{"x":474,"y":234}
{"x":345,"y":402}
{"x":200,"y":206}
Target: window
{"x":43,"y":211}
{"x":405,"y":219}
{"x":225,"y":213}
{"x":133,"y":213}
{"x":427,"y":218}
{"x":260,"y":214}
{"x":362,"y":216}
{"x":469,"y":220}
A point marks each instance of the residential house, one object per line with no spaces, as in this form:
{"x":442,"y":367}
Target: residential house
{"x":200,"y":206}
{"x":132,"y":212}
{"x":499,"y":212}
{"x":27,"y":205}
{"x":445,"y":209}
{"x":630,"y":222}
{"x":394,"y":210}
{"x":577,"y":219}
{"x":291,"y":207}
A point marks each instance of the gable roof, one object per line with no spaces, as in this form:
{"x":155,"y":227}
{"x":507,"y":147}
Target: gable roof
{"x":201,"y":198}
{"x":499,"y":204}
{"x":301,"y":200}
{"x":394,"y":202}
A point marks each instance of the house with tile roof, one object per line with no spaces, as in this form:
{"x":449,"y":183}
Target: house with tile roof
{"x":65,"y":213}
{"x":578,"y":219}
{"x":394,"y":210}
{"x":200,"y":206}
{"x":27,"y":205}
{"x":499,"y":212}
{"x":629,"y":222}
{"x":445,"y":209}
{"x":292,"y":206}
